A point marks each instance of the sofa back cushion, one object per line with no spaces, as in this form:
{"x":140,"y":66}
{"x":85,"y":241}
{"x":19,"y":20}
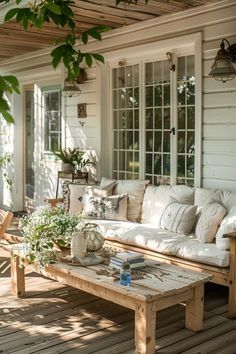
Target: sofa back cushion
{"x":156,"y":198}
{"x":178,"y":217}
{"x":227,"y":225}
{"x":226,"y":198}
{"x":135,"y":190}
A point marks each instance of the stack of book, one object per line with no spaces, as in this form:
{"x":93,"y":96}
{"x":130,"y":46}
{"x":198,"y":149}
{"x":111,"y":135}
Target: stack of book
{"x":135,"y":259}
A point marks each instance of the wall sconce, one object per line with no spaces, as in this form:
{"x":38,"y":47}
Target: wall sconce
{"x":70,"y":88}
{"x":222,"y":68}
{"x":170,"y":60}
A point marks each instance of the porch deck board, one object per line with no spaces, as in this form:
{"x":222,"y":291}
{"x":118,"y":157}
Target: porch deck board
{"x":55,"y":318}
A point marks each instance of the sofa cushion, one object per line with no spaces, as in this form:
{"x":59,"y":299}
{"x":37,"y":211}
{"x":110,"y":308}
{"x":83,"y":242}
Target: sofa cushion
{"x":225,"y":197}
{"x":227,"y":225}
{"x":135,"y":190}
{"x":210,"y":218}
{"x":156,"y":198}
{"x":110,"y":208}
{"x":108,"y":185}
{"x":72,"y":195}
{"x":178,"y":217}
{"x":163,"y":241}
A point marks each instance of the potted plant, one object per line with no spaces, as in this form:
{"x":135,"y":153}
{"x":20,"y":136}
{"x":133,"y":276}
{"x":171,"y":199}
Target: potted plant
{"x":73,"y":160}
{"x":67,"y":157}
{"x":80,"y":162}
{"x":45,"y":228}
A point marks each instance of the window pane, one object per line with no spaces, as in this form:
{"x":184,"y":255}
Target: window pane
{"x":181,"y":166}
{"x":149,"y":96}
{"x":149,"y":163}
{"x":166,"y":165}
{"x":167,"y":118}
{"x":121,"y":77}
{"x":158,"y":118}
{"x":190,"y":118}
{"x":129,"y":140}
{"x":129,"y":76}
{"x":129,"y":119}
{"x":157,"y":164}
{"x":158,"y":95}
{"x":166,"y":101}
{"x":149,"y":141}
{"x":181,"y":142}
{"x":149,"y":119}
{"x":52,"y":120}
{"x":181,"y":118}
{"x":149,"y":73}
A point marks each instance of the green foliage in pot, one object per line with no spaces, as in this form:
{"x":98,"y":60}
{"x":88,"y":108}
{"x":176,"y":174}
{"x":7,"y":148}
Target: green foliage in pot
{"x":43,"y":229}
{"x":74,"y":157}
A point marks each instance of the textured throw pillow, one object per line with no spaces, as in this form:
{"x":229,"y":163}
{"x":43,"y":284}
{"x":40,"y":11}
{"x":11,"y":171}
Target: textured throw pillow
{"x":227,"y":225}
{"x":105,"y":208}
{"x":211,"y":216}
{"x":72,"y":196}
{"x":135,"y":190}
{"x":178,"y":217}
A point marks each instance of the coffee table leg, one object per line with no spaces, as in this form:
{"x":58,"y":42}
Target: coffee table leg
{"x":195,"y":309}
{"x":17,"y":277}
{"x":145,"y":328}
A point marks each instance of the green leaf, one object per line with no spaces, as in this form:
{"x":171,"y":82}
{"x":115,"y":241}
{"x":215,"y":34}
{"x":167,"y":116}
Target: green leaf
{"x":3,"y":105}
{"x":95,"y":34}
{"x":98,"y":57}
{"x":54,"y":8}
{"x":8,"y":117}
{"x":84,"y":37}
{"x":18,"y":2}
{"x":10,"y":14}
{"x":11,"y":79}
{"x":88,"y":59}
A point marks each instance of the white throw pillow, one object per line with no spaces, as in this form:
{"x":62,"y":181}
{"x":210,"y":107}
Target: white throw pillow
{"x":227,"y":225}
{"x":105,"y":208}
{"x":210,"y":218}
{"x":135,"y":190}
{"x":178,"y":217}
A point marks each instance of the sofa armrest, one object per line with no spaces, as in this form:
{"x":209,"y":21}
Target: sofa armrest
{"x":54,"y":202}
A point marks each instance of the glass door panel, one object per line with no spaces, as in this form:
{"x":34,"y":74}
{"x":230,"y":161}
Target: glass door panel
{"x":185,"y":120}
{"x":157,"y":122}
{"x":125,"y":112}
{"x":29,"y":147}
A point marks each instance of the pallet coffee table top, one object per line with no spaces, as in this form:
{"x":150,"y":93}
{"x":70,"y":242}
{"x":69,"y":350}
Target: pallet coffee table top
{"x":159,"y":280}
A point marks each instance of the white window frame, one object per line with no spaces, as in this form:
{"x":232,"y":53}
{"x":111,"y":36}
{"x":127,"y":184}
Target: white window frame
{"x":185,"y":45}
{"x":43,"y":90}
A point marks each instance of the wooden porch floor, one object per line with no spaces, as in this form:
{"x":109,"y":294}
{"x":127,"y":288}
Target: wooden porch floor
{"x":59,"y":319}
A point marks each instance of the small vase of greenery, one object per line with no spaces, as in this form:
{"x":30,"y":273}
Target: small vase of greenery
{"x":43,"y":229}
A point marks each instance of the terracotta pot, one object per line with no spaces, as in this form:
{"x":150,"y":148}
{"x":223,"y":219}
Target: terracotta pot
{"x":67,"y":167}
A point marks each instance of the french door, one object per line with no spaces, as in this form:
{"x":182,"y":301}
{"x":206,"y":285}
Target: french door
{"x":153,"y":114}
{"x":29,"y":184}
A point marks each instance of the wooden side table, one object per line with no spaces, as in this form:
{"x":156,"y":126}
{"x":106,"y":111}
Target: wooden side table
{"x":71,"y":176}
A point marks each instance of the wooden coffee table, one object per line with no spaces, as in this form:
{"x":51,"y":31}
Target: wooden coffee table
{"x":163,"y":286}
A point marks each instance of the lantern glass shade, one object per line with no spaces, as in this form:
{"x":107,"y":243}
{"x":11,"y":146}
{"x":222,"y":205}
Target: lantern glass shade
{"x":70,"y":88}
{"x":223,"y":69}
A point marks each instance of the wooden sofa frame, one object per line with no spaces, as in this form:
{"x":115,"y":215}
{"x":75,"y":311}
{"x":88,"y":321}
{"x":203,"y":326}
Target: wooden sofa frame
{"x":221,"y":276}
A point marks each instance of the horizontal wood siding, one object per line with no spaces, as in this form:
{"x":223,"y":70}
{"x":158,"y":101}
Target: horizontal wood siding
{"x":219,"y":110}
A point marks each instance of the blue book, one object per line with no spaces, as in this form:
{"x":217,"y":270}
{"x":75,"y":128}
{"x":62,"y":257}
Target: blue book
{"x":130,"y":261}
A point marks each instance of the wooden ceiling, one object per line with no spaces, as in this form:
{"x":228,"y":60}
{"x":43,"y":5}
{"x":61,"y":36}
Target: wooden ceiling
{"x":88,"y":13}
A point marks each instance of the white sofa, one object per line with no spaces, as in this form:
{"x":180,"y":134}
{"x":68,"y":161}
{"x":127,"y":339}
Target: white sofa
{"x":142,"y":231}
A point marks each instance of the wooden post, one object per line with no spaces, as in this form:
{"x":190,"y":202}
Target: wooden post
{"x":195,"y":309}
{"x":145,"y":328}
{"x":232,"y":277}
{"x":17,"y":277}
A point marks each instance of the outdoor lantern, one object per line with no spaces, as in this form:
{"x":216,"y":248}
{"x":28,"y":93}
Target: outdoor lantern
{"x":70,"y":88}
{"x":223,"y":69}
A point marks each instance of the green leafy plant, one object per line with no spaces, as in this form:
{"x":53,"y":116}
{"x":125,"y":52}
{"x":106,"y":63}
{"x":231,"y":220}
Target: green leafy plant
{"x":43,"y":229}
{"x":74,"y":157}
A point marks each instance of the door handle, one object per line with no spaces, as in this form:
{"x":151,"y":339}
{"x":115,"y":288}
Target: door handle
{"x":172,"y":131}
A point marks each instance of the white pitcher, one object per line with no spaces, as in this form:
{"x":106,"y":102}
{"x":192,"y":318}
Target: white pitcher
{"x":78,"y":244}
